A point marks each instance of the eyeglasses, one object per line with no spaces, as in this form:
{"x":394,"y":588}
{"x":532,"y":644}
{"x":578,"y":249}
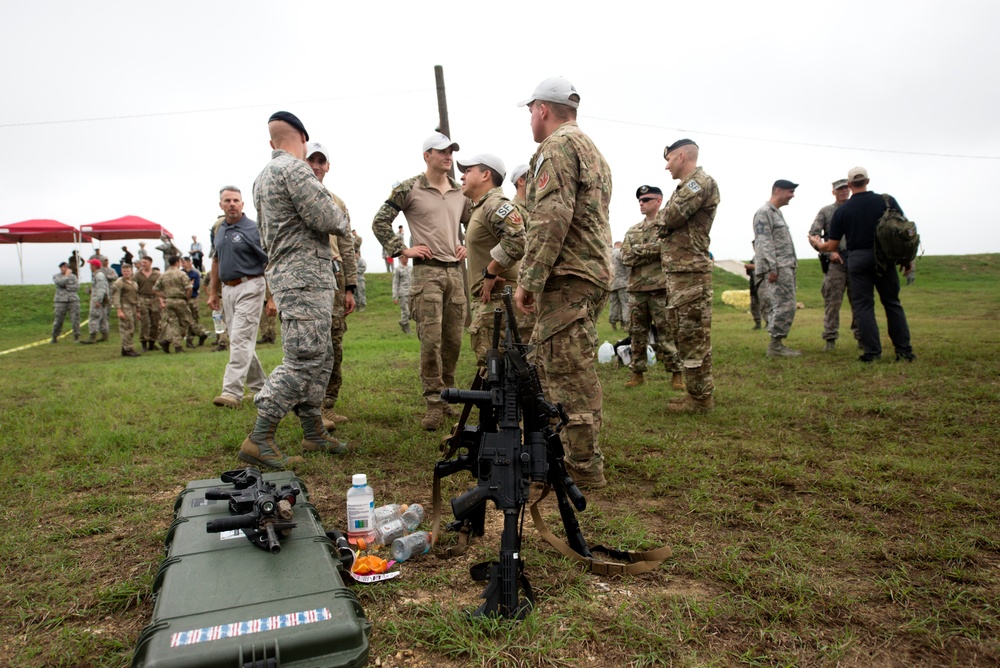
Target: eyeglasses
{"x":646,"y":199}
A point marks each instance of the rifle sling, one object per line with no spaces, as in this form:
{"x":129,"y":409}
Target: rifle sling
{"x":640,"y":561}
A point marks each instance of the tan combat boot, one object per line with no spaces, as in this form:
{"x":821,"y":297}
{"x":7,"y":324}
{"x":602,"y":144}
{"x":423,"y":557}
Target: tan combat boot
{"x":677,"y":382}
{"x":433,"y":417}
{"x":315,"y":437}
{"x":689,"y":404}
{"x":636,"y":380}
{"x":259,"y":448}
{"x":590,"y":478}
{"x":331,"y":418}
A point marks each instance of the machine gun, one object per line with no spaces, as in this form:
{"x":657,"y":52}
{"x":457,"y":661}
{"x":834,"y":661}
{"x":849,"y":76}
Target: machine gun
{"x":505,"y":459}
{"x":259,"y":508}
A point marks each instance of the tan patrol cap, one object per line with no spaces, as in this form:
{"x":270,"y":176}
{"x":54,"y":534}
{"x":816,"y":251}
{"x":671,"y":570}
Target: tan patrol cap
{"x":857,"y":174}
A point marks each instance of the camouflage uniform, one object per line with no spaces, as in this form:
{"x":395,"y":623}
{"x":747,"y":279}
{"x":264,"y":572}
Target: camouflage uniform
{"x":175,"y":286}
{"x":149,"y":305}
{"x":360,"y":296}
{"x":66,"y":300}
{"x":835,"y":282}
{"x":345,"y":268}
{"x":685,"y":224}
{"x":618,"y":299}
{"x":125,"y":296}
{"x":296,"y":215}
{"x":774,"y":252}
{"x":567,"y":266}
{"x":98,"y":317}
{"x":196,"y":328}
{"x":268,"y":323}
{"x":401,"y":291}
{"x":647,"y":289}
{"x":437,"y":292}
{"x":495,"y":232}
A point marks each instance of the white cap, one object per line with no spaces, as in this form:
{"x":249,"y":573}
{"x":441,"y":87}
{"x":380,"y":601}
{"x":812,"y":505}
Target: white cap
{"x":359,"y":480}
{"x":518,"y":172}
{"x":488,"y":159}
{"x":440,"y":142}
{"x":554,"y":89}
{"x":315,"y":147}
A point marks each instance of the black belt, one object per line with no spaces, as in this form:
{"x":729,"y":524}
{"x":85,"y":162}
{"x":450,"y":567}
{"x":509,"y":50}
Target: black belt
{"x":435,"y":263}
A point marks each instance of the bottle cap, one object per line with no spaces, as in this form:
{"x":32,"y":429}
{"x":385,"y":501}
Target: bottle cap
{"x":362,"y":544}
{"x":359,"y":479}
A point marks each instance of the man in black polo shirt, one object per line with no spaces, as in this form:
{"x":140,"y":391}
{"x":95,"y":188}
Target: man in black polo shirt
{"x":856,"y":220}
{"x":238,"y":269}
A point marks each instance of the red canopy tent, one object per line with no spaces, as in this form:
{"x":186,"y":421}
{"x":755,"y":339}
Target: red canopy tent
{"x":39,"y":232}
{"x":126,"y":227}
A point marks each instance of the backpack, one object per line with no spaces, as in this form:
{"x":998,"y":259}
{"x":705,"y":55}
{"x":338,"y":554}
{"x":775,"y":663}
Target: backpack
{"x":896,"y":238}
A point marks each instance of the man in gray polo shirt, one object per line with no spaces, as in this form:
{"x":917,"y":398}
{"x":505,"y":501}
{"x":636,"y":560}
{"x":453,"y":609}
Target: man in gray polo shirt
{"x":238,"y":270}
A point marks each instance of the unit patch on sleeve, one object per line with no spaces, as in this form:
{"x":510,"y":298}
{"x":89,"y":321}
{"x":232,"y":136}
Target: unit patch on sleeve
{"x":693,"y":186}
{"x":505,"y":210}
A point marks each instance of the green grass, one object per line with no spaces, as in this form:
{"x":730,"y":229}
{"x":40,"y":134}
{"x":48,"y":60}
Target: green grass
{"x":827,"y":513}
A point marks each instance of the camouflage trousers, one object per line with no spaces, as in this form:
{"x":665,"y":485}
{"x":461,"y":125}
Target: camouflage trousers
{"x":176,"y":321}
{"x":97,"y":319}
{"x":241,"y":306}
{"x":689,"y":305}
{"x":650,"y":309}
{"x":437,"y":303}
{"x":268,"y":324}
{"x":196,"y":329}
{"x":299,"y":382}
{"x":782,"y":296}
{"x":566,"y":335}
{"x":760,"y":305}
{"x":360,"y":296}
{"x":835,"y":284}
{"x":619,"y":306}
{"x":404,"y":310}
{"x":481,"y":327}
{"x":149,"y":318}
{"x":126,"y":325}
{"x":338,"y":328}
{"x":62,"y":309}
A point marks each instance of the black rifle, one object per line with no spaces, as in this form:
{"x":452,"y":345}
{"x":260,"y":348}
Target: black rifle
{"x":505,"y":459}
{"x":258,"y":507}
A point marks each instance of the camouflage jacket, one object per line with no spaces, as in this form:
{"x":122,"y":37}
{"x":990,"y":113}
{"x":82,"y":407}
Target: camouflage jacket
{"x":124,"y":293}
{"x":173,"y":284}
{"x":821,"y":226}
{"x":568,"y":194}
{"x":401,"y":282}
{"x":295,"y":216}
{"x":772,"y":242}
{"x":495,"y":231}
{"x":641,"y":252}
{"x":620,"y":270}
{"x":99,"y":286}
{"x":67,"y":287}
{"x":348,"y":261}
{"x":686,"y":222}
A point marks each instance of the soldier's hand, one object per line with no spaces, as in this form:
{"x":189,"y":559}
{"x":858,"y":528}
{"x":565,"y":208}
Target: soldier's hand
{"x":835,"y":258}
{"x":270,"y":308}
{"x":772,"y":277}
{"x":395,"y":301}
{"x":489,"y":284}
{"x":461,"y":252}
{"x":213,"y":302}
{"x":121,"y":314}
{"x":423,"y":252}
{"x":525,"y":300}
{"x":349,"y":303}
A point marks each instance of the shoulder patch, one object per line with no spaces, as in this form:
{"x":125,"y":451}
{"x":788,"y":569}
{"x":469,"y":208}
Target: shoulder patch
{"x":543,"y":181}
{"x":538,"y":165}
{"x":515,"y":218}
{"x":396,"y":184}
{"x":693,"y":186}
{"x":505,"y":210}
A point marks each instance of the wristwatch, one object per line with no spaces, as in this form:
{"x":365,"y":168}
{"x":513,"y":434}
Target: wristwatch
{"x":487,"y":274}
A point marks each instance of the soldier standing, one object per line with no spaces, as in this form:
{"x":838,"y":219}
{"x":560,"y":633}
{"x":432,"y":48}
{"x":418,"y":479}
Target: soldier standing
{"x":174,"y":290}
{"x":196,"y":328}
{"x":495,"y":240}
{"x":774,"y":257}
{"x":296,"y":215}
{"x":566,"y":270}
{"x":618,"y":299}
{"x":834,"y":265}
{"x":518,"y":178}
{"x":685,"y":224}
{"x":345,"y":269}
{"x":434,"y":207}
{"x":98,"y":317}
{"x":67,"y":300}
{"x":125,"y":299}
{"x":149,"y":305}
{"x":401,"y":291}
{"x":647,"y":289}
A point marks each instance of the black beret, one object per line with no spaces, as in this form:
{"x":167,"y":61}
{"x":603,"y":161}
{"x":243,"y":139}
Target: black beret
{"x":648,"y":190}
{"x":786,"y":184}
{"x":291,"y":119}
{"x":677,"y":144}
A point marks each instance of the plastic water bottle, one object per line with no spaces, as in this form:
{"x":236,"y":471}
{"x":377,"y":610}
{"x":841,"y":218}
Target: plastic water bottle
{"x":388,"y":531}
{"x":389,"y":511}
{"x":360,"y":510}
{"x":415,"y":543}
{"x":650,"y":356}
{"x":413,"y":516}
{"x":605,"y":353}
{"x":220,"y":324}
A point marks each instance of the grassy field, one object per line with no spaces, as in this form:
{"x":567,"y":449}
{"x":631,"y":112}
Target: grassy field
{"x":827,"y":513}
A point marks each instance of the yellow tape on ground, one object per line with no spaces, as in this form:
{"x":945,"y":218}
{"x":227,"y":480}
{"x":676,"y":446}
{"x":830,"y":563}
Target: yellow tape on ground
{"x":39,"y":343}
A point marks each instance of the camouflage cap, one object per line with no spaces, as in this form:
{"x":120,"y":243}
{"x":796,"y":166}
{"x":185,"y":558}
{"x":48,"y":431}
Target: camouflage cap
{"x":517,"y":173}
{"x":648,"y":190}
{"x":677,"y":144}
{"x":785,"y":184}
{"x":493,"y":162}
{"x":440,"y":142}
{"x":291,"y":119}
{"x":839,"y":183}
{"x":554,"y":89}
{"x":857,"y":174}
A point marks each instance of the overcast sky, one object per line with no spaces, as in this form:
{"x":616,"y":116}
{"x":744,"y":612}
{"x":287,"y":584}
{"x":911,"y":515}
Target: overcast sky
{"x":115,"y":108}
